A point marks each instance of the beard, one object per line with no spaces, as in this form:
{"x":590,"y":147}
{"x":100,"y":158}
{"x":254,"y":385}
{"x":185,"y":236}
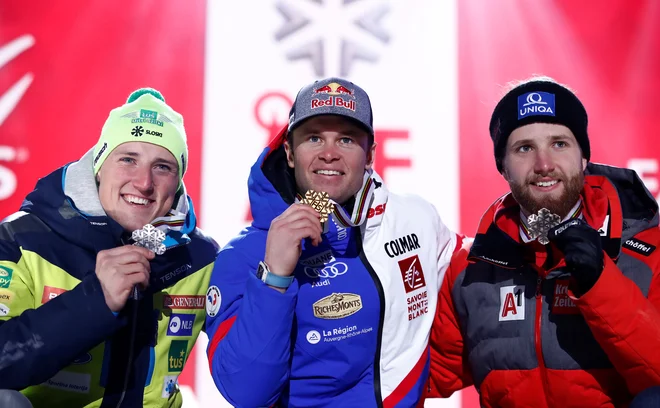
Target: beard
{"x":560,"y":205}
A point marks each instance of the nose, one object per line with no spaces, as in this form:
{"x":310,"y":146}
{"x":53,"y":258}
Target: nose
{"x":143,"y":180}
{"x":329,"y":153}
{"x":544,"y":163}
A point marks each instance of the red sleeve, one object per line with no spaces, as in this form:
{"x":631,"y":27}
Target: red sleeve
{"x":449,"y":369}
{"x":626,"y":325}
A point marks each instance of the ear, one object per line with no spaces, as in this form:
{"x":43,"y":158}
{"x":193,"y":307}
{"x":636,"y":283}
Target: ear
{"x":371,"y":155}
{"x":584,"y":164}
{"x":288,"y":149}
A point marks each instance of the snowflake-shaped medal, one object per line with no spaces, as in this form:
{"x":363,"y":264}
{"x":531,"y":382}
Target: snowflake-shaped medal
{"x":540,"y":223}
{"x":320,"y":201}
{"x":151,"y":238}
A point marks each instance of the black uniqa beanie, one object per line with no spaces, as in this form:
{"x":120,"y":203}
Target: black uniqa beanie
{"x":533,"y":102}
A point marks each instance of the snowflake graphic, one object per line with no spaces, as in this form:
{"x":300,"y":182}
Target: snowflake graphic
{"x":337,"y":29}
{"x":542,"y":222}
{"x":151,"y":238}
{"x":137,"y":131}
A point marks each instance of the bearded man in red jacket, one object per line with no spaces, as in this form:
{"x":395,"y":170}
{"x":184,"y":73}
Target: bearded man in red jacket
{"x":555,"y":302}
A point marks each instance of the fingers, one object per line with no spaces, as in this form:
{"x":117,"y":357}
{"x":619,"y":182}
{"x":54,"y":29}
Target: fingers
{"x":138,"y":278}
{"x":298,"y":211}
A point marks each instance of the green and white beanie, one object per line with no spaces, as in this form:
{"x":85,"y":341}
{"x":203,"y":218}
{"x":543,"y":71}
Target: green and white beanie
{"x":144,"y":118}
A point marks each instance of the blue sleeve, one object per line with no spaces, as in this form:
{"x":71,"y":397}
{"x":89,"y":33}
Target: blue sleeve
{"x":250,"y":336}
{"x":38,"y":343}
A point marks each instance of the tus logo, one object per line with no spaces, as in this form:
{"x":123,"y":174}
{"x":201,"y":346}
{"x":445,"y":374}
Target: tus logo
{"x":177,"y":355}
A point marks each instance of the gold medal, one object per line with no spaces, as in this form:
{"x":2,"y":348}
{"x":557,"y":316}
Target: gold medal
{"x":320,"y":201}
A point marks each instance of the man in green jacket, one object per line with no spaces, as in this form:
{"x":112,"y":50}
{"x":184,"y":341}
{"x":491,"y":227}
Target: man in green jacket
{"x":103,"y":272}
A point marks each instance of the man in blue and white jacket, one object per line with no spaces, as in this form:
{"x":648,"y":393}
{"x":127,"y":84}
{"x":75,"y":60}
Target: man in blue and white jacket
{"x":305,"y":313}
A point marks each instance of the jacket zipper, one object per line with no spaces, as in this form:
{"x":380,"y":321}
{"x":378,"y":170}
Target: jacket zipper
{"x":381,"y":319}
{"x":537,"y":338}
{"x":131,"y":346}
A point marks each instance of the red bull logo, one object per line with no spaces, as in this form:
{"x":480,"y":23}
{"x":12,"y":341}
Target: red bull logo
{"x":333,"y":101}
{"x":334,"y":88}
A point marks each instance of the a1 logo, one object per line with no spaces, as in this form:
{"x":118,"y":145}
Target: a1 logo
{"x":512,"y":303}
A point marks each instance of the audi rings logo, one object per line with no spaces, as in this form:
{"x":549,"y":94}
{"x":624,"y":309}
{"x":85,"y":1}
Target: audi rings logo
{"x":328,"y":271}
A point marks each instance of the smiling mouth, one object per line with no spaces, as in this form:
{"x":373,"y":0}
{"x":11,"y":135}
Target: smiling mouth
{"x":135,"y":200}
{"x":329,"y":172}
{"x":548,"y":183}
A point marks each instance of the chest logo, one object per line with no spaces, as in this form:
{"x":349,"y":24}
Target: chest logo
{"x":512,"y":303}
{"x":412,"y":273}
{"x":337,"y":306}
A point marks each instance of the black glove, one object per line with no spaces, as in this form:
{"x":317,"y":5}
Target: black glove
{"x":582,"y":250}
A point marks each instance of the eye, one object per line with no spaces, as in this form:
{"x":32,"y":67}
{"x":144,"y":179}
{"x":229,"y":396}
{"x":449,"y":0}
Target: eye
{"x":314,"y":138}
{"x":346,"y":140}
{"x":561,"y":144}
{"x":164,"y":167}
{"x":524,"y":149}
{"x":127,"y":159}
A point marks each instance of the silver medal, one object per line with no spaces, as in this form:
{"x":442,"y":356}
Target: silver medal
{"x":151,"y":238}
{"x":540,"y":223}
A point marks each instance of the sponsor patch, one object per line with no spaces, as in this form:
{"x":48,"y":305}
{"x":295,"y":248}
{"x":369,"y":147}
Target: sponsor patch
{"x":320,"y":259}
{"x":343,"y":333}
{"x":101,"y":150}
{"x":412,"y":273}
{"x":418,"y":305}
{"x":326,"y":272}
{"x":402,"y":245}
{"x":213,"y":300}
{"x":334,"y":88}
{"x":561,"y":302}
{"x":5,"y":276}
{"x":4,"y":310}
{"x":512,"y":303}
{"x":313,"y":337}
{"x":178,"y":271}
{"x":536,"y":103}
{"x":6,"y":296}
{"x":337,"y":306}
{"x":68,"y":381}
{"x":137,"y":131}
{"x":177,"y":355}
{"x":170,"y":385}
{"x":51,"y":292}
{"x":638,"y":246}
{"x":334,"y":101}
{"x":181,"y":324}
{"x":183,"y":302}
